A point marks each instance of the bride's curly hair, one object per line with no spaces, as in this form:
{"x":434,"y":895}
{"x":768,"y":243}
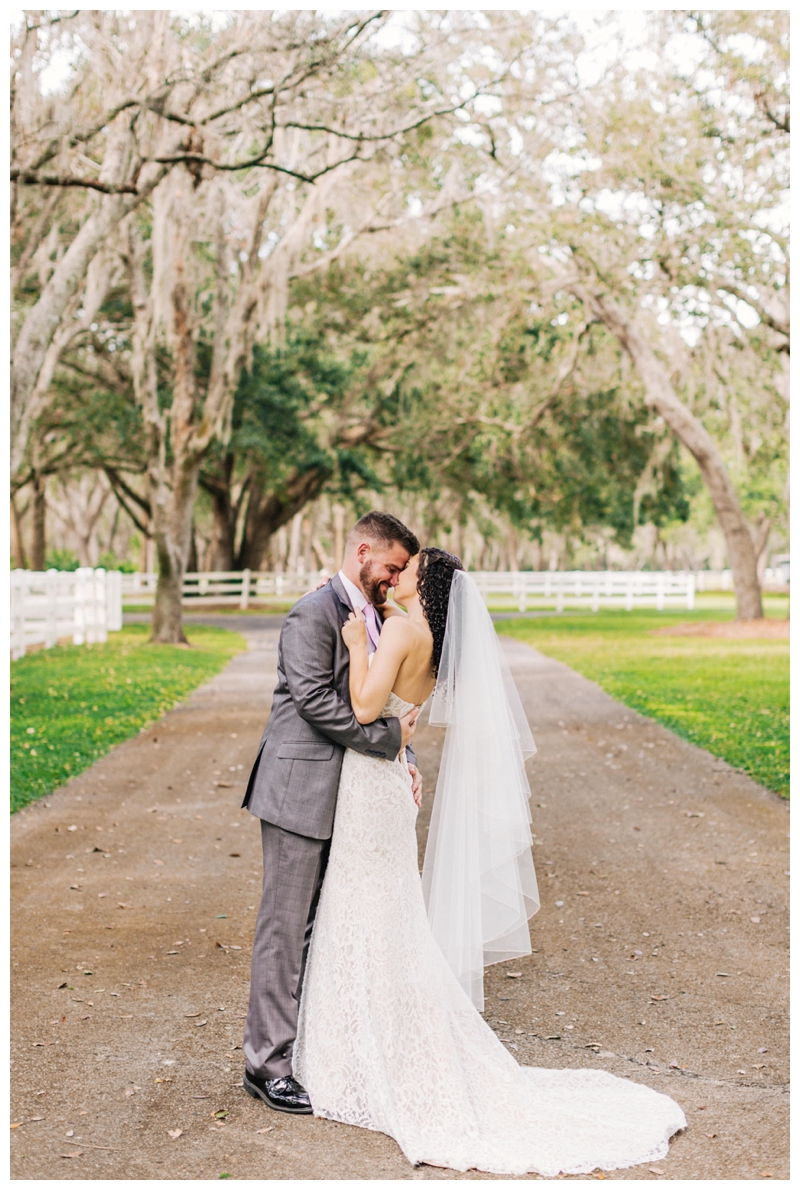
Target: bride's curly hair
{"x":434,"y":579}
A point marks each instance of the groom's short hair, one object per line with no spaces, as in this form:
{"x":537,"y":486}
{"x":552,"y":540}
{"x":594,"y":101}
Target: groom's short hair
{"x":384,"y":529}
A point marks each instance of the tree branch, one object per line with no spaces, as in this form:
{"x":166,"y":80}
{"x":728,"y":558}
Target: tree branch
{"x":33,"y":178}
{"x":777,"y":325}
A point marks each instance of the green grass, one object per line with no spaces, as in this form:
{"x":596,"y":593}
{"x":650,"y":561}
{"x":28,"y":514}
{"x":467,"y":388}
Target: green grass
{"x":72,"y":704}
{"x":728,"y":696}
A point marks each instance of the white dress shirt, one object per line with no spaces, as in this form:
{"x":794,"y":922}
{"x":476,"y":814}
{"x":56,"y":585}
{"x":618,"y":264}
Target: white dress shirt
{"x":359,"y":600}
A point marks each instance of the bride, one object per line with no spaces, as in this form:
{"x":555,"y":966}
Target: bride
{"x":390,"y":1036}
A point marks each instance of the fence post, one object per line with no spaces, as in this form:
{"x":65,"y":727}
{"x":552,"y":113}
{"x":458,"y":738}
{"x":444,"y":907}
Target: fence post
{"x":596,"y":594}
{"x":51,"y":608}
{"x":660,"y":591}
{"x":690,"y":592}
{"x":560,"y":592}
{"x":17,"y":614}
{"x":629,"y":594}
{"x":79,"y":612}
{"x":245,"y":590}
{"x":113,"y":600}
{"x":100,"y":592}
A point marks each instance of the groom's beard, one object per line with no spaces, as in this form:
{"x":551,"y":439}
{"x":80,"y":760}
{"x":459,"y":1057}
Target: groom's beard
{"x":375,"y":589}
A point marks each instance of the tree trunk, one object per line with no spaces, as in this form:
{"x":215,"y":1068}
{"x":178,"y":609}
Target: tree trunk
{"x":39,"y":542}
{"x":17,"y":537}
{"x":661,"y":396}
{"x":269,"y":510}
{"x":172,"y":533}
{"x":191,"y":562}
{"x":224,"y":513}
{"x":761,"y":531}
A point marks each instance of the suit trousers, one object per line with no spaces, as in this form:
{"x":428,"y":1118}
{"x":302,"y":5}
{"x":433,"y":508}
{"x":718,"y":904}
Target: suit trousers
{"x":294,"y":867}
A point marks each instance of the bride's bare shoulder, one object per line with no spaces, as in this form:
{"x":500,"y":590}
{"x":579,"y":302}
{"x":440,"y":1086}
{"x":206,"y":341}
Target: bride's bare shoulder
{"x":397,"y":627}
{"x":390,"y":611}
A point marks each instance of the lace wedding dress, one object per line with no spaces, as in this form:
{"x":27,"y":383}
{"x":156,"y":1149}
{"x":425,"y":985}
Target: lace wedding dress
{"x":390,"y":1041}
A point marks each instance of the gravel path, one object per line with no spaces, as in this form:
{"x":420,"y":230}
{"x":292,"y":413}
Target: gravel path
{"x":660,"y":950}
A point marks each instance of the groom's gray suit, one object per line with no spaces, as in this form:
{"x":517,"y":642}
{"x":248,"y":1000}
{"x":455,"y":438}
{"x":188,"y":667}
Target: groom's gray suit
{"x":292,"y":789}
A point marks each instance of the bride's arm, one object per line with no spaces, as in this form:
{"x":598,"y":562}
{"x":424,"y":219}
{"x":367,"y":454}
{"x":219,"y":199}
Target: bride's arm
{"x":370,"y":685}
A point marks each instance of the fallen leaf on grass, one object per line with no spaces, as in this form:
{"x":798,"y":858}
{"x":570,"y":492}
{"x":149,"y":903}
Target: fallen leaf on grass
{"x":174,"y":1132}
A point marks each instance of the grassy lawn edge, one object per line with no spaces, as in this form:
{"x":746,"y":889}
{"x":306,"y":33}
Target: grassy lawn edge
{"x":730,"y":697}
{"x":72,"y":704}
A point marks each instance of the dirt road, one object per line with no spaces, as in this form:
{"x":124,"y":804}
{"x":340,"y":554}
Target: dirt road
{"x":660,"y":950}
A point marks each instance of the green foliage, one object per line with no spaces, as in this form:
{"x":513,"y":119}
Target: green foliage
{"x":61,"y":560}
{"x":72,"y":704}
{"x":110,"y":561}
{"x":730,"y":697}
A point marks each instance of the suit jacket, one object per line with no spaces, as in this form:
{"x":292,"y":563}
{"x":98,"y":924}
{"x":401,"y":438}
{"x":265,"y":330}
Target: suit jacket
{"x":295,"y":778}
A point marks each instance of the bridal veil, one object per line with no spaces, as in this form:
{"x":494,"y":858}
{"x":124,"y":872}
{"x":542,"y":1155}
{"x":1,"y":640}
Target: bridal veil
{"x":478,"y":876}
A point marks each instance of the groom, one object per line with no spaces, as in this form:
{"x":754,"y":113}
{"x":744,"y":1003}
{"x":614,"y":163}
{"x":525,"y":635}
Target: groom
{"x":294,"y":783}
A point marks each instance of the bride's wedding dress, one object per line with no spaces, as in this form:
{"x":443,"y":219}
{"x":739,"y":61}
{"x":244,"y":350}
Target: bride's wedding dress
{"x":390,"y":1041}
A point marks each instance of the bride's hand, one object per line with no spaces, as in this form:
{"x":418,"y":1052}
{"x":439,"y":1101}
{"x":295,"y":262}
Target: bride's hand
{"x":354,"y":631}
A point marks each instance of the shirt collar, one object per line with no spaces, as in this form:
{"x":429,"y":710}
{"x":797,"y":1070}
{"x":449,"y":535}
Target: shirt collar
{"x":357,"y":598}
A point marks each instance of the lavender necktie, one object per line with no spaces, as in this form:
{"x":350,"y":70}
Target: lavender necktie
{"x":373,"y":628}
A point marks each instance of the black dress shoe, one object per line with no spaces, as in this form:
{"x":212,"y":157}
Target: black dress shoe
{"x":282,"y":1094}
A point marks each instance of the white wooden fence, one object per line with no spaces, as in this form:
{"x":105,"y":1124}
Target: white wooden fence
{"x":229,"y":587}
{"x":594,"y":588}
{"x":48,"y":606}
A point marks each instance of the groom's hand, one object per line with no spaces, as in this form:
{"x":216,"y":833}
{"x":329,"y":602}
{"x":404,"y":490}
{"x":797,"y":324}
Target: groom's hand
{"x":408,"y":725}
{"x":416,"y":785}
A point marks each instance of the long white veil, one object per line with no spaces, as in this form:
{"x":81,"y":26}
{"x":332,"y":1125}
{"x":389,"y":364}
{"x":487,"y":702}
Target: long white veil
{"x":478,"y":877}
